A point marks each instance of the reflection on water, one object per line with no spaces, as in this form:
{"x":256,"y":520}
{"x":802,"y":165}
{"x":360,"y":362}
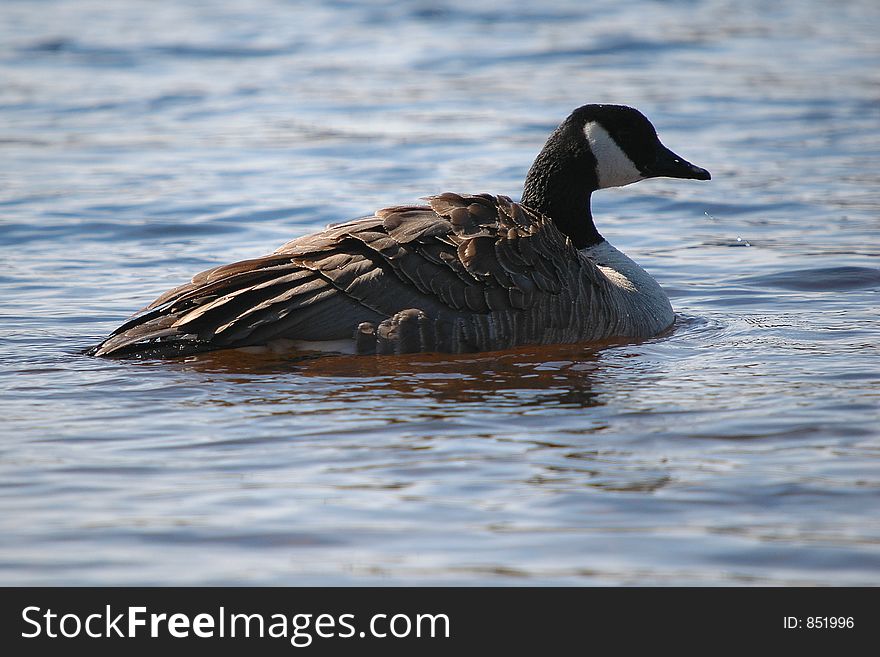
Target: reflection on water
{"x":542,"y":377}
{"x":140,"y":146}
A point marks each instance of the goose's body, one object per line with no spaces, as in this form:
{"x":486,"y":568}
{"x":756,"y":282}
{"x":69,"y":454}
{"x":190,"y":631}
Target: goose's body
{"x":464,"y":273}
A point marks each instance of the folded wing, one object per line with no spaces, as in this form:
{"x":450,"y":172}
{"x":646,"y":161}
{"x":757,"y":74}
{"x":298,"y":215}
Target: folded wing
{"x":463,"y":273}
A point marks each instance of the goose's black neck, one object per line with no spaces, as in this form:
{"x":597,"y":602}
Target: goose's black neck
{"x":560,"y":183}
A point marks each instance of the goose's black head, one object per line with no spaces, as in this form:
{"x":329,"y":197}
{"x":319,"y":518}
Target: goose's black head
{"x":597,"y":146}
{"x":625,"y":146}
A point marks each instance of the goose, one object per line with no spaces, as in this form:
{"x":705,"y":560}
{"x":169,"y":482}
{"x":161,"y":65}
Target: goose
{"x":462,"y":273}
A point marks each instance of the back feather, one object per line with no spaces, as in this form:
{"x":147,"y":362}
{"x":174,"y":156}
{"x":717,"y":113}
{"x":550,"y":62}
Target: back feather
{"x":464,"y":273}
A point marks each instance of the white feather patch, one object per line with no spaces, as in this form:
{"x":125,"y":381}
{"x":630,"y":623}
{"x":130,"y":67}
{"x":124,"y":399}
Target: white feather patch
{"x":613,"y":167}
{"x":646,"y":304}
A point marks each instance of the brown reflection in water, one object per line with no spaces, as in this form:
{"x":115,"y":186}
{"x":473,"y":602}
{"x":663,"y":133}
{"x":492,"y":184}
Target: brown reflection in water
{"x":564,"y":374}
{"x":439,"y":386}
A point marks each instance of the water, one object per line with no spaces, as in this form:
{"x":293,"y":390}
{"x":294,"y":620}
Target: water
{"x":144,"y":141}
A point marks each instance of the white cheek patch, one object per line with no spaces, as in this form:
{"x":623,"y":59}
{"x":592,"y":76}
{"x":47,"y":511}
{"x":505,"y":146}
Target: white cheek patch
{"x":613,"y":167}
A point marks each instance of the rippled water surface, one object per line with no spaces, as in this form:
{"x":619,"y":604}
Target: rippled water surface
{"x":141,"y":142}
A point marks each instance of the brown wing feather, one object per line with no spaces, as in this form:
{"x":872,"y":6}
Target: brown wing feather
{"x":473,"y":267}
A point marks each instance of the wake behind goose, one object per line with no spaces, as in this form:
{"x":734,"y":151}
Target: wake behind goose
{"x":463,"y":273}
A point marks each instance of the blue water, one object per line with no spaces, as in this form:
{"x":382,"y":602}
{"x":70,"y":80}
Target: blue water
{"x":141,"y":142}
